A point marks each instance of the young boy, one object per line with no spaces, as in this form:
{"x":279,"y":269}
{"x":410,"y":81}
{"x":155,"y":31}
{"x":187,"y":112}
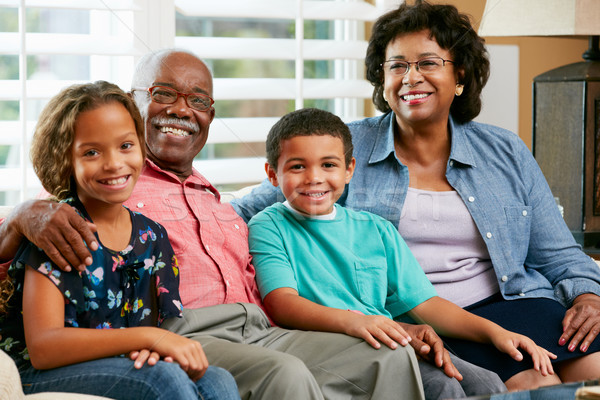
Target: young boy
{"x":324,"y":267}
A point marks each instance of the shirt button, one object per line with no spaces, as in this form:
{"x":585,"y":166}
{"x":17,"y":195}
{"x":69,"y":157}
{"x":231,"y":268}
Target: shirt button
{"x":207,"y":248}
{"x":471,"y":199}
{"x":488,"y":235}
{"x":522,"y":294}
{"x":451,"y":163}
{"x":524,"y":213}
{"x":504,"y":278}
{"x":140,"y":204}
{"x":226,"y":283}
{"x":236,"y":226}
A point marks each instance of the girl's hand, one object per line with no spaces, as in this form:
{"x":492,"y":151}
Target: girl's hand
{"x":375,"y":327}
{"x":186,"y":352}
{"x":144,"y":356}
{"x":510,"y":342}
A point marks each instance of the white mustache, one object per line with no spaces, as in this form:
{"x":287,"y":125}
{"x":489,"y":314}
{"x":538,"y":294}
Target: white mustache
{"x":191,"y":126}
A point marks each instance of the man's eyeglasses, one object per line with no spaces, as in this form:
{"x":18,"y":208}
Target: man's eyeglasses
{"x":425,"y":66}
{"x":167,"y":95}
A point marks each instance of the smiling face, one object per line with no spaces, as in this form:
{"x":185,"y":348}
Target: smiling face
{"x":175,"y":133}
{"x":311,"y":172}
{"x":418,"y":98}
{"x":106,"y":156}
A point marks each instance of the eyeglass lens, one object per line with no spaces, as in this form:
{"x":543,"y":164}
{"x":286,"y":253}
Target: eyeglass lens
{"x":425,"y":65}
{"x":165,"y":95}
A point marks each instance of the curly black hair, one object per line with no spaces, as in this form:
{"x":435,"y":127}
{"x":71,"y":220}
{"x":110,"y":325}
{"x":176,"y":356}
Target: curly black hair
{"x":452,"y":31}
{"x":307,"y":122}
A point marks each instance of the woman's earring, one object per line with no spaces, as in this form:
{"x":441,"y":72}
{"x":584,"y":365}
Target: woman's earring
{"x":384,"y":97}
{"x":459,"y":89}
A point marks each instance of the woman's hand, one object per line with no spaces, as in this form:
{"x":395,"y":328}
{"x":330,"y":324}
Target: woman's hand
{"x":186,"y":352}
{"x":581,"y":322}
{"x":376,"y":328}
{"x":510,"y":342}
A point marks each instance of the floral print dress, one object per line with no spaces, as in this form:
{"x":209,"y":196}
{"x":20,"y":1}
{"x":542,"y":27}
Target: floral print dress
{"x":138,"y":286}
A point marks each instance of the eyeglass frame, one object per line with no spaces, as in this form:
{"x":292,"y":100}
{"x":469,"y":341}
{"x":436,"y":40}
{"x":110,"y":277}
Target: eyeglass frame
{"x":416,"y":63}
{"x":179,"y":94}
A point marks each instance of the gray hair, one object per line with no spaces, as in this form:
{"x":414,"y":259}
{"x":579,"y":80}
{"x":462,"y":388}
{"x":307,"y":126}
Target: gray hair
{"x":146,"y":70}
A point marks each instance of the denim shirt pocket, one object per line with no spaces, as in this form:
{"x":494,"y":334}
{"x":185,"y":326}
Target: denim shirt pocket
{"x":371,"y":280}
{"x":518,"y":223}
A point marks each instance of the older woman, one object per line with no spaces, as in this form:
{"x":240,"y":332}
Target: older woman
{"x":468,"y":198}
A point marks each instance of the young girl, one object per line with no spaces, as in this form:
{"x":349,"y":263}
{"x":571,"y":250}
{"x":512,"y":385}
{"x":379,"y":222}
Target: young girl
{"x":88,"y":151}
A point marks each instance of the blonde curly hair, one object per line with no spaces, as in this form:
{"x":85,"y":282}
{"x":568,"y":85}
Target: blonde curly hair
{"x":55,"y":131}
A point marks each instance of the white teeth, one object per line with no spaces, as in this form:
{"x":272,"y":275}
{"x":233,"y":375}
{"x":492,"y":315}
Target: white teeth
{"x":174,"y":131}
{"x":117,"y":181}
{"x":411,"y":97}
{"x":315,"y":194}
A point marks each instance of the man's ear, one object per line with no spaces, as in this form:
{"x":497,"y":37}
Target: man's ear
{"x":271,"y":174}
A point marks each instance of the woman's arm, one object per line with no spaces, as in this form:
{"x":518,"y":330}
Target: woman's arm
{"x":287,"y":308}
{"x":51,"y":344}
{"x":450,"y":320}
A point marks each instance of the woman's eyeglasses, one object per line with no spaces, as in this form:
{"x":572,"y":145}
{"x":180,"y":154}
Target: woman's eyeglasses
{"x":425,"y":66}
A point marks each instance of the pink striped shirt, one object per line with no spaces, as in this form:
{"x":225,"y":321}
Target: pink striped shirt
{"x":209,"y":239}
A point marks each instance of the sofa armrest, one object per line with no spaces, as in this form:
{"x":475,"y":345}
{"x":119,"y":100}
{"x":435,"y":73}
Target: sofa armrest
{"x":10,"y":385}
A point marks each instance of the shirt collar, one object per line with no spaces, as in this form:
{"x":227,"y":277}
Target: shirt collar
{"x":196,"y":178}
{"x":384,"y":139}
{"x":460,"y":149}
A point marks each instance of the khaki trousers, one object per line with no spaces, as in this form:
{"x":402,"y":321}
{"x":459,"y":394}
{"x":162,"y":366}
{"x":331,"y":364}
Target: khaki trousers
{"x":272,"y":363}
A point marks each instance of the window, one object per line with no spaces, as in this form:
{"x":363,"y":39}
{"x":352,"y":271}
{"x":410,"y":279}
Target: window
{"x":268,"y":57}
{"x":44,"y":47}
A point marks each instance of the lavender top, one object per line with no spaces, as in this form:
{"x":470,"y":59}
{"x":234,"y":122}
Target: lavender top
{"x":444,"y":239}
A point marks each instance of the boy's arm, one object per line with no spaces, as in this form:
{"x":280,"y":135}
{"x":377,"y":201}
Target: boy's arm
{"x":51,"y":344}
{"x":288,"y":309}
{"x":450,"y":320}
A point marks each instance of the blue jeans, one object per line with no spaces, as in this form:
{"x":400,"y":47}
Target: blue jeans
{"x":116,"y":378}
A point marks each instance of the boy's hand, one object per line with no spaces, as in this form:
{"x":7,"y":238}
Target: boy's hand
{"x":424,"y":340}
{"x":376,"y":327}
{"x":509,"y":343}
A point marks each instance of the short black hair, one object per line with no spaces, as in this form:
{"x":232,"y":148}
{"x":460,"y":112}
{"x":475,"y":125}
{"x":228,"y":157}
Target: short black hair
{"x":452,"y":31}
{"x":307,"y":122}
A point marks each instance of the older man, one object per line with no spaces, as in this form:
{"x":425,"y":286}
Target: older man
{"x":223,"y":309}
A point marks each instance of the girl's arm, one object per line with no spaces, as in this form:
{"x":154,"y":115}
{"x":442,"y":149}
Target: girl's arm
{"x":51,"y":344}
{"x":450,"y":320}
{"x":289,"y":309}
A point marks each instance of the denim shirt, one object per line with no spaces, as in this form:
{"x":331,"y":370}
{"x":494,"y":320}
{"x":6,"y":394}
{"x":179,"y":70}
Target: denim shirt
{"x":533,"y":252}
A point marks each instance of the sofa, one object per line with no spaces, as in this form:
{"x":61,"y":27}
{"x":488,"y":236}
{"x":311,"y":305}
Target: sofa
{"x":10,"y":385}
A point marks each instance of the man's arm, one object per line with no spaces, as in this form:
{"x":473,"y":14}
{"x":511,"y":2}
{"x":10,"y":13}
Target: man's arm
{"x":55,"y":228}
